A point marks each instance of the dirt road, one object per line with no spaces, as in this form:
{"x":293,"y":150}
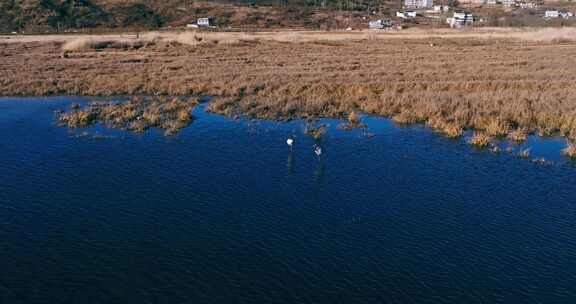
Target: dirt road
{"x":308,"y":36}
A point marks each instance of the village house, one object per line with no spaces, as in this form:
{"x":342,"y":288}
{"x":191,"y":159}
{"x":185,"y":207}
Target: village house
{"x":528,"y":5}
{"x":551,"y":14}
{"x":379,"y":24}
{"x":205,"y":22}
{"x":558,"y":14}
{"x":520,"y":3}
{"x":460,"y":19}
{"x":418,"y":3}
{"x":476,"y":2}
{"x":406,"y":15}
{"x":441,"y":8}
{"x":509,"y":3}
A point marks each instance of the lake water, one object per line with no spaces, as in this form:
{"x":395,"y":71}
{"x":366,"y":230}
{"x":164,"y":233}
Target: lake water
{"x":224,"y":213}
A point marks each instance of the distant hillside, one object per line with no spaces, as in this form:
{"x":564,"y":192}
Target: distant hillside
{"x":54,"y":15}
{"x":75,"y":15}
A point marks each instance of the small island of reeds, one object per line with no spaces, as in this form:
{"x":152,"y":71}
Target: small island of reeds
{"x":137,"y":114}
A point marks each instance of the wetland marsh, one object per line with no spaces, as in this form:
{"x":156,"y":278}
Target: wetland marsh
{"x":404,"y":216}
{"x":446,"y":172}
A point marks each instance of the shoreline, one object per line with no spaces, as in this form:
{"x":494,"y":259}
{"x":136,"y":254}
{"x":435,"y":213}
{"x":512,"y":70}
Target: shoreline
{"x":102,"y":113}
{"x":498,"y":87}
{"x":316,"y":128}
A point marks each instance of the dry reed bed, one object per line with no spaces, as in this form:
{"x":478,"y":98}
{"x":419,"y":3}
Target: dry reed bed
{"x":136,"y":115}
{"x":498,"y":87}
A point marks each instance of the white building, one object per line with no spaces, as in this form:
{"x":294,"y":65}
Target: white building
{"x":441,"y":8}
{"x":475,"y":2}
{"x":528,"y":5}
{"x":459,"y":20}
{"x":419,"y":3}
{"x":558,"y":14}
{"x":379,"y":24}
{"x":551,"y":14}
{"x":205,"y":22}
{"x":406,"y":15}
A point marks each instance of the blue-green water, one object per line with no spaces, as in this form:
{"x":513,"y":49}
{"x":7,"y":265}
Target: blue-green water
{"x":225,"y":213}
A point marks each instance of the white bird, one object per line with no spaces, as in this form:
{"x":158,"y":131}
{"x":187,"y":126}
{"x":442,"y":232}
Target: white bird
{"x":290,"y":142}
{"x":318,"y":150}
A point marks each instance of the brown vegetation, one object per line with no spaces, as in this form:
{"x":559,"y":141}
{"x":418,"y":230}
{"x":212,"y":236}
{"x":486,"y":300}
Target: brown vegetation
{"x":137,"y":115}
{"x":502,"y":87}
{"x":524,"y":153}
{"x":83,"y":44}
{"x":315,"y":131}
{"x":570,"y":150}
{"x":354,"y":121}
{"x":518,"y":136}
{"x":480,"y":140}
{"x":450,"y":129}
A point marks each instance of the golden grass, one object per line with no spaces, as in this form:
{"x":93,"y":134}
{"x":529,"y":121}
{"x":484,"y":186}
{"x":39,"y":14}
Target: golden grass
{"x":480,"y":140}
{"x":518,"y":135}
{"x":501,"y":87}
{"x":77,"y":44}
{"x":78,"y":119}
{"x":570,"y":150}
{"x":137,"y":114}
{"x":450,"y":129}
{"x":84,"y":44}
{"x":354,"y":121}
{"x":497,"y":127}
{"x":406,"y":118}
{"x":184,"y":116}
{"x":315,"y":131}
{"x":354,"y":118}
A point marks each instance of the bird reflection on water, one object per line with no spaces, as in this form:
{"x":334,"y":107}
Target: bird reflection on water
{"x":290,"y":163}
{"x":319,"y":172}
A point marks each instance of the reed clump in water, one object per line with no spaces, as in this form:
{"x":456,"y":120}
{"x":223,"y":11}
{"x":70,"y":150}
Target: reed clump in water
{"x":480,"y":139}
{"x":224,"y":106}
{"x":78,"y":119}
{"x":497,"y":128}
{"x":450,"y":129}
{"x":137,"y":115}
{"x":406,"y":117}
{"x":518,"y":136}
{"x":524,"y":153}
{"x":354,"y":121}
{"x":315,"y":131}
{"x":570,"y":150}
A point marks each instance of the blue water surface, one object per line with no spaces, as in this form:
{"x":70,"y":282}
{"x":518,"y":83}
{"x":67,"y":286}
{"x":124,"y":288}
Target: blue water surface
{"x":225,"y":213}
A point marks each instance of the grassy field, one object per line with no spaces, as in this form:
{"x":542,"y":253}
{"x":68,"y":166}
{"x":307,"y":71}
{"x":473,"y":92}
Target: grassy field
{"x":499,"y":83}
